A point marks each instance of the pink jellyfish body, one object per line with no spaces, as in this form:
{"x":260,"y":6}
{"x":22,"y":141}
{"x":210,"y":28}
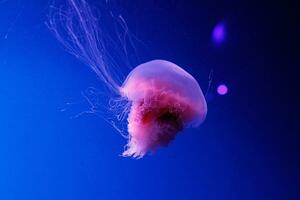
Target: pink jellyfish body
{"x":164,"y":99}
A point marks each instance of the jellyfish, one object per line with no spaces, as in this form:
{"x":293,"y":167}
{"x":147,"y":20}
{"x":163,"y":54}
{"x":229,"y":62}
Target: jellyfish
{"x":163,"y":99}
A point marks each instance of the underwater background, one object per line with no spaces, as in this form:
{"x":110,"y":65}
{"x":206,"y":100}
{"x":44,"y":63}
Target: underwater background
{"x":248,"y":147}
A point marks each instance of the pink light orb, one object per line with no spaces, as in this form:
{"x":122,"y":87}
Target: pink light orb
{"x":222,"y":89}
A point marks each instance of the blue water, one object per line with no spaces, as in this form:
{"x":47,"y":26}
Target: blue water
{"x":239,"y":152}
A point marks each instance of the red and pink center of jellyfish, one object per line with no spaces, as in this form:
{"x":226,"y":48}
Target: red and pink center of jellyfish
{"x":155,"y":121}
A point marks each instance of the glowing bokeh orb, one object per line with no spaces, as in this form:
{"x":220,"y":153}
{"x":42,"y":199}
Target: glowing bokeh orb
{"x":222,"y":89}
{"x":218,"y":34}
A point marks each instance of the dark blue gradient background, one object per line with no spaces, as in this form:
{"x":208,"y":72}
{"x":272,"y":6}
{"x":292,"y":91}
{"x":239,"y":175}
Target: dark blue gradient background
{"x":248,"y":147}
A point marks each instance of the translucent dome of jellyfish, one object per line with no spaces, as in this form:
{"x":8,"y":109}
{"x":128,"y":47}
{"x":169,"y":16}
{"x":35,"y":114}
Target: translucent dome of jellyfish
{"x":164,"y":99}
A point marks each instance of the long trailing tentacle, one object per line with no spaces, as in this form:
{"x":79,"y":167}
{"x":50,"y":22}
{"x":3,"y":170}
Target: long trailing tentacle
{"x":77,"y":28}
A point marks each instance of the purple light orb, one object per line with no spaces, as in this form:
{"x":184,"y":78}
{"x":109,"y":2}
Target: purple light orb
{"x":222,"y":89}
{"x":218,"y":33}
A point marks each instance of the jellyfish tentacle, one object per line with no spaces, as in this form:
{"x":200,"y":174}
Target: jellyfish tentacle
{"x":77,"y":29}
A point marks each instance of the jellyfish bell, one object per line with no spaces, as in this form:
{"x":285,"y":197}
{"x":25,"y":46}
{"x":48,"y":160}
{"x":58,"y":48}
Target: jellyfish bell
{"x":164,"y":100}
